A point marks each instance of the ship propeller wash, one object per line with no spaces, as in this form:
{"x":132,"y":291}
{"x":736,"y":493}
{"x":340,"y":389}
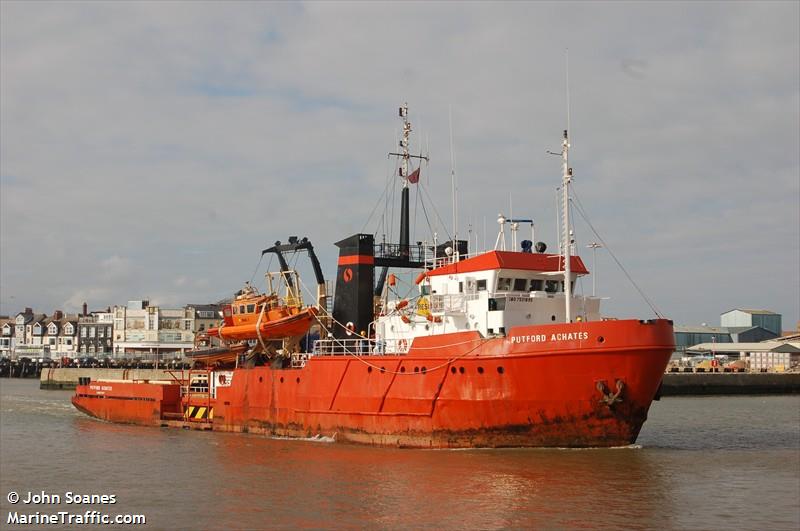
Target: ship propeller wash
{"x":487,"y":349}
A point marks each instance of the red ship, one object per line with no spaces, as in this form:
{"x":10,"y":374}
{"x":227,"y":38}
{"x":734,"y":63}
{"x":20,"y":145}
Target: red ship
{"x":494,"y":349}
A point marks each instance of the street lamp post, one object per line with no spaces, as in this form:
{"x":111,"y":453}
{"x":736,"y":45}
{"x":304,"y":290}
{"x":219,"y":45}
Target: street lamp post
{"x":593,"y":246}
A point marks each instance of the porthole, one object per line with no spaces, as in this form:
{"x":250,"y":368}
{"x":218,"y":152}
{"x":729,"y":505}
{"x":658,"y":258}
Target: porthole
{"x":453,"y":370}
{"x":402,"y":369}
{"x":600,"y":339}
{"x":424,"y":370}
{"x":260,"y":379}
{"x":552,"y":317}
{"x":461,"y":370}
{"x":297,"y":379}
{"x":480,"y":370}
{"x":500,"y":370}
{"x":281,"y":379}
{"x":383,"y":369}
{"x":369,"y":369}
{"x":416,"y":369}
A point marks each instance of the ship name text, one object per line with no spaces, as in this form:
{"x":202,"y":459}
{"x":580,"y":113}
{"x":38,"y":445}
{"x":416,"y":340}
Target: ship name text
{"x":541,"y":338}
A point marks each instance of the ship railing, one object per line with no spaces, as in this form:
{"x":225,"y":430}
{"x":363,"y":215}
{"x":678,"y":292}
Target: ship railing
{"x":299,"y":359}
{"x":452,"y":303}
{"x":359,"y":347}
{"x":412,"y":253}
{"x":198,"y":384}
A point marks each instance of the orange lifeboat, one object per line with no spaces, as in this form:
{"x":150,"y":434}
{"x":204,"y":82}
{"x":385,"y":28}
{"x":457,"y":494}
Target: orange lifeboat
{"x":217,"y":355}
{"x":255,"y":316}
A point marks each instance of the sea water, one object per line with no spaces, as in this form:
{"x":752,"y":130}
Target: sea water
{"x":699,"y":463}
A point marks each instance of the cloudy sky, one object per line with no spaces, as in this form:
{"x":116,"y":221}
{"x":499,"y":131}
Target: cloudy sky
{"x":152,"y":149}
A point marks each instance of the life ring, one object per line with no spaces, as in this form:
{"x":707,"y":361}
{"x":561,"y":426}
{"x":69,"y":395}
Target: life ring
{"x":402,"y":345}
{"x":350,"y":328}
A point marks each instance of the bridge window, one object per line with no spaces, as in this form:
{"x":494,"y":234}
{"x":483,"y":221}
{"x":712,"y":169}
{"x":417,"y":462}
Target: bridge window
{"x":251,"y":308}
{"x":503,"y":284}
{"x":482,"y":285}
{"x":552,"y":286}
{"x":537,"y":285}
{"x":241,"y":309}
{"x":497,"y":304}
{"x":520,"y":284}
{"x":235,"y":310}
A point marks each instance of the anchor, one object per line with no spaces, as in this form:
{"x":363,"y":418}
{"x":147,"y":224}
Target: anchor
{"x":610,"y":398}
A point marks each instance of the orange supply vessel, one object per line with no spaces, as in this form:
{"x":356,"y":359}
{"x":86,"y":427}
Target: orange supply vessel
{"x":490,"y":349}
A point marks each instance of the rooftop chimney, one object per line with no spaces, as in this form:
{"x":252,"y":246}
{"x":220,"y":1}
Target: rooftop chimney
{"x":85,"y":308}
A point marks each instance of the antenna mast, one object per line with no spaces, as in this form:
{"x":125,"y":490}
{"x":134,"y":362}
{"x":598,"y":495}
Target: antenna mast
{"x":566,"y":239}
{"x":453,"y":185}
{"x":405,"y":156}
{"x":566,"y":234}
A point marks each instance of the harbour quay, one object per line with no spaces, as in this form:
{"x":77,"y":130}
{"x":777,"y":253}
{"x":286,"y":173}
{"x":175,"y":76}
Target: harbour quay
{"x":730,"y":383}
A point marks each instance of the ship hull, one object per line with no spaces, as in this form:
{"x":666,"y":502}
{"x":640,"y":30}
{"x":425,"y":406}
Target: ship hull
{"x":570,"y":385}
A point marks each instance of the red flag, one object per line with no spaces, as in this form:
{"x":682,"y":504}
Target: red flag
{"x":413,"y":178}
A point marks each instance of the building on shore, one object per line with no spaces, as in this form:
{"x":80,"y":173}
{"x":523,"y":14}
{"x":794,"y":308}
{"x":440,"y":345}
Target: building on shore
{"x":205,"y":316}
{"x":60,"y":336}
{"x":142,"y":330}
{"x":774,"y":355}
{"x":736,"y":326}
{"x":688,"y":336}
{"x":29,"y":334}
{"x":7,"y":339}
{"x":96,"y":333}
{"x":746,"y":319}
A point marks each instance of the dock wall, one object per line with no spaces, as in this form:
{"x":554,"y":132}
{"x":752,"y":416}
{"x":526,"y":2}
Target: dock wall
{"x":68,"y":378}
{"x":736,"y":383}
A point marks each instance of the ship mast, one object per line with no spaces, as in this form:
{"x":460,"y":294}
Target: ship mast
{"x":566,"y":235}
{"x":405,"y":156}
{"x":404,"y":221}
{"x":402,"y":257}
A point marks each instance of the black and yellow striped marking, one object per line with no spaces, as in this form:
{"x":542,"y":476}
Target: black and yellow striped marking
{"x":199,"y":413}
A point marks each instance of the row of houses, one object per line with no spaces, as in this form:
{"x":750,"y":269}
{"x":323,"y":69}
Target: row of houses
{"x":122,"y":331}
